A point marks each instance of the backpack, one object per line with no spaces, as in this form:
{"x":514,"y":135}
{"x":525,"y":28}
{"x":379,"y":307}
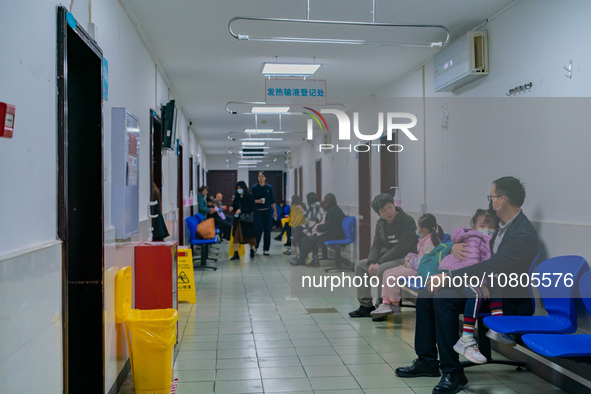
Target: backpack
{"x":429,"y":264}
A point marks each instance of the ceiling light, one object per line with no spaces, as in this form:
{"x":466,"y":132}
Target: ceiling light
{"x":274,"y":160}
{"x":252,"y":143}
{"x":252,"y":153}
{"x":270,"y":110}
{"x":286,"y":69}
{"x":262,"y":139}
{"x":259,"y":131}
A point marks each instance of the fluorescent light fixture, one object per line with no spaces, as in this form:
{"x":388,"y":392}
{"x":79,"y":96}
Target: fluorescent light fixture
{"x":247,"y":166}
{"x":270,"y":110}
{"x":252,"y":153}
{"x":289,"y":69}
{"x":259,"y":131}
{"x":261,"y":139}
{"x":253,"y":143}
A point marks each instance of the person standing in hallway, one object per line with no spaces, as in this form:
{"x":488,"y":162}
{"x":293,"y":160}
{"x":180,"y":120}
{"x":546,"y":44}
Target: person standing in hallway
{"x":263,"y":216}
{"x":243,"y":228}
{"x":395,"y":237}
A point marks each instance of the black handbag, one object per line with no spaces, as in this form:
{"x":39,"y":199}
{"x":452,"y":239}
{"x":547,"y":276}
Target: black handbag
{"x":245,"y":217}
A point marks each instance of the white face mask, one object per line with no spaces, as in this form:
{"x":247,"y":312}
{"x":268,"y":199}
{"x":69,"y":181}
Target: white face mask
{"x":486,"y":231}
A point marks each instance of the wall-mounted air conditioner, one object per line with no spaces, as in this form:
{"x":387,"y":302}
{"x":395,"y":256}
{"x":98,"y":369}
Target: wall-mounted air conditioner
{"x":461,"y":62}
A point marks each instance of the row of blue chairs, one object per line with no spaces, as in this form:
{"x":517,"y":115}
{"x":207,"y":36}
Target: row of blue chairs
{"x":546,"y":335}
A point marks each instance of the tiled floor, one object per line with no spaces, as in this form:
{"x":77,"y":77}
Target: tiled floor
{"x":249,"y":334}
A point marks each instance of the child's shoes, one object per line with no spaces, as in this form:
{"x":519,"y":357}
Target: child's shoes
{"x":468,"y":349}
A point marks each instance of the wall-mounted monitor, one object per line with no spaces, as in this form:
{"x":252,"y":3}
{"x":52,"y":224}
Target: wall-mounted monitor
{"x":169,"y":125}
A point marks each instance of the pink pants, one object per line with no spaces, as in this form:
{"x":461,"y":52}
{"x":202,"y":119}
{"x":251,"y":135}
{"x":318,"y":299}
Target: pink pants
{"x":391,"y":291}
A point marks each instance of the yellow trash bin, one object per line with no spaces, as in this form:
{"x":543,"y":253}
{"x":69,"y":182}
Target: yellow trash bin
{"x":151,"y":336}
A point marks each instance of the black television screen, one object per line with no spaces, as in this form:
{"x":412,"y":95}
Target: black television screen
{"x":168,"y":125}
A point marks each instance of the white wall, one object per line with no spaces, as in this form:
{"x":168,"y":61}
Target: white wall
{"x":539,"y":137}
{"x":28,"y":247}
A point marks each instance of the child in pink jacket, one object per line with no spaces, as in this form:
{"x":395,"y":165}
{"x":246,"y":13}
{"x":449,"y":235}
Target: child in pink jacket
{"x":477,"y":241}
{"x":430,"y":235}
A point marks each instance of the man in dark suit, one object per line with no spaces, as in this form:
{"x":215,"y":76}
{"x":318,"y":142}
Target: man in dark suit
{"x":514,"y":246}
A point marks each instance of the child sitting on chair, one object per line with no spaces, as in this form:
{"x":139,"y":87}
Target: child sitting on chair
{"x":430,"y":235}
{"x":477,"y":242}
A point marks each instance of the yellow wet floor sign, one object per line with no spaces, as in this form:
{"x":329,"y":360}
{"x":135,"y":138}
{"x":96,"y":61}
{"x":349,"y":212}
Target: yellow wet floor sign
{"x":186,"y":279}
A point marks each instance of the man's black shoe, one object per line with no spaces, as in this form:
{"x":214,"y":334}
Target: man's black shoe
{"x":417,"y":369}
{"x":288,"y":243}
{"x":381,"y":318}
{"x":363,"y":311}
{"x":451,"y":383}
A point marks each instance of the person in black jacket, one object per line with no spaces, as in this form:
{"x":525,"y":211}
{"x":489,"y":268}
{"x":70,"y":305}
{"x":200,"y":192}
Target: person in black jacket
{"x":394,"y":238}
{"x":265,"y":212}
{"x":331,"y":228}
{"x":514,"y":246}
{"x":243,"y":230}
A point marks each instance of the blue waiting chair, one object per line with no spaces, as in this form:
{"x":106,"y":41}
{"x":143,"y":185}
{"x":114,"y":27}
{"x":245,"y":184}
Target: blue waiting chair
{"x":191,"y":226}
{"x":201,"y":218}
{"x":349,"y":225}
{"x":567,"y":346}
{"x":558,"y":301}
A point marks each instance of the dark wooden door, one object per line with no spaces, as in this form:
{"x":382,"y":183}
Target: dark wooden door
{"x":388,"y":167}
{"x":319,"y":179}
{"x":364,"y":175}
{"x":179,"y":195}
{"x":222,"y":181}
{"x":295,"y":183}
{"x":274,"y":178}
{"x":301,"y":182}
{"x":191,"y":180}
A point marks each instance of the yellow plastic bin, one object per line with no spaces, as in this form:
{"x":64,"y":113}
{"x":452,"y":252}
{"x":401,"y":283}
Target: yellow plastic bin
{"x":151,"y":336}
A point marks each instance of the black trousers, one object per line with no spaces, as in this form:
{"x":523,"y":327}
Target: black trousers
{"x":438,"y":327}
{"x":262,"y":224}
{"x":298,"y":235}
{"x":286,"y":229}
{"x":438,"y":324}
{"x":225,"y":226}
{"x":309,"y":244}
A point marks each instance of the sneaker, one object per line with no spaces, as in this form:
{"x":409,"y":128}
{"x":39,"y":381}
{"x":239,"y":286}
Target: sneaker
{"x":468,"y":349}
{"x":278,"y":238}
{"x":266,"y":253}
{"x":383,"y":310}
{"x":287,"y":252}
{"x":362,"y":311}
{"x":501,"y":338}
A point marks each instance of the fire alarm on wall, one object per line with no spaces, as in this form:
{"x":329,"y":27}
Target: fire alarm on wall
{"x":7,"y":120}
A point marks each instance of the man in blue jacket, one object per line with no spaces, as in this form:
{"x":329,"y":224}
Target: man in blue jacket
{"x":514,"y":246}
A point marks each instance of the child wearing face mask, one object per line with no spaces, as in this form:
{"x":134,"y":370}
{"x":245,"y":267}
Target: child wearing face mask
{"x":477,"y":242}
{"x":430,"y":235}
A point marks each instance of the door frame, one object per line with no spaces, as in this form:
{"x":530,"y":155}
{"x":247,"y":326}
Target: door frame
{"x":80,"y":208}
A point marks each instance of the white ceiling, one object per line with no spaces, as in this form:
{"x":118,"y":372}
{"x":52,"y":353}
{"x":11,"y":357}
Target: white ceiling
{"x":207,"y":67}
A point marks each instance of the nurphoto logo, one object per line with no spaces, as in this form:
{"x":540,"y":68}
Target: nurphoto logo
{"x":345,"y":130}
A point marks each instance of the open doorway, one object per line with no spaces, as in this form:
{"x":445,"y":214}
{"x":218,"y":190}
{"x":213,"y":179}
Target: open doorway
{"x":80,"y":204}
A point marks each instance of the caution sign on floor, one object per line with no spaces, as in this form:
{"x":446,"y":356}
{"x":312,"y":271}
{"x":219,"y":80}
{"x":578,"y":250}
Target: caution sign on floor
{"x":186,"y":281}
